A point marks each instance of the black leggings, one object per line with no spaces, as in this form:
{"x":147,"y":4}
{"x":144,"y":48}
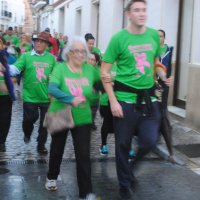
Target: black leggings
{"x":107,"y":126}
{"x":81,"y":142}
{"x":5,"y":117}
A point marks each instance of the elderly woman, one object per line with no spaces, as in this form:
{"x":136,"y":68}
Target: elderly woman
{"x":72,"y":83}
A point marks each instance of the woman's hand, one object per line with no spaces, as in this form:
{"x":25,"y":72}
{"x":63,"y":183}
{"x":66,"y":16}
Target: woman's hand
{"x":2,"y":68}
{"x":116,"y":109}
{"x":77,"y":100}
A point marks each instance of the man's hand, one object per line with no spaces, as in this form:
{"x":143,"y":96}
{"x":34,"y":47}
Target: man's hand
{"x":116,"y":109}
{"x":168,"y":81}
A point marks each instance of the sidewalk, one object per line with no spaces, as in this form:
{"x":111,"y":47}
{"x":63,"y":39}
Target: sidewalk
{"x":186,"y":145}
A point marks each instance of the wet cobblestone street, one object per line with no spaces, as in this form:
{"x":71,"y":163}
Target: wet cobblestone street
{"x":17,"y":150}
{"x":23,"y":171}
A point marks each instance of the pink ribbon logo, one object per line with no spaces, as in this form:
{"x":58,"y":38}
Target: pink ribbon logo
{"x":40,"y":74}
{"x":141,"y":62}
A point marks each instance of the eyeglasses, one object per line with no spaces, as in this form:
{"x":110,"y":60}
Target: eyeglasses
{"x":79,"y":51}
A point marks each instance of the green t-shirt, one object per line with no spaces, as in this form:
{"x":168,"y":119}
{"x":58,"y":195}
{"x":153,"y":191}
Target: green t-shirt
{"x":13,"y":40}
{"x":62,"y":44}
{"x":134,"y":56}
{"x":97,"y":50}
{"x":163,"y":50}
{"x":76,"y":84}
{"x":2,"y":81}
{"x":104,"y":96}
{"x":36,"y":71}
{"x":26,"y":47}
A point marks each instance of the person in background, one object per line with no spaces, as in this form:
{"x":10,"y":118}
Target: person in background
{"x":36,"y":66}
{"x":63,"y":41}
{"x":136,"y":50}
{"x":95,"y":60}
{"x":90,"y":40}
{"x":106,"y":114}
{"x":11,"y":38}
{"x":166,"y":60}
{"x":72,"y":83}
{"x":25,"y":45}
{"x":7,"y":95}
{"x":54,"y":44}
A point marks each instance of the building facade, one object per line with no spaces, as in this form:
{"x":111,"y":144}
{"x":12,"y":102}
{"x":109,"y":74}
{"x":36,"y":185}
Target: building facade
{"x":12,"y":13}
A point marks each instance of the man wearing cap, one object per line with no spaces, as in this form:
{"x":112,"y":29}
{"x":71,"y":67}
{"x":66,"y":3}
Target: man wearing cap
{"x":55,"y":47}
{"x":11,"y":39}
{"x":36,"y":66}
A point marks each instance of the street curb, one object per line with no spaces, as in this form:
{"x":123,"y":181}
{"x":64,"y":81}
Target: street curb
{"x":179,"y":159}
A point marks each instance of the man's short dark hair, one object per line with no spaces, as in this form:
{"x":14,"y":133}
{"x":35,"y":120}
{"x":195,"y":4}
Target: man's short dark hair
{"x":47,"y":30}
{"x":131,"y":2}
{"x":10,"y":28}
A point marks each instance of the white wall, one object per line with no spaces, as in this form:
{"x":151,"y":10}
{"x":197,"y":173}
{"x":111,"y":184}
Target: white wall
{"x":161,"y":14}
{"x":18,"y":9}
{"x":18,"y":13}
{"x":196,"y":38}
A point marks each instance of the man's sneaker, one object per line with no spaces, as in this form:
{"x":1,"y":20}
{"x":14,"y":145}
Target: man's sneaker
{"x":27,"y":139}
{"x":125,"y":193}
{"x":103,"y":150}
{"x":90,"y":196}
{"x":51,"y":185}
{"x":131,"y":155}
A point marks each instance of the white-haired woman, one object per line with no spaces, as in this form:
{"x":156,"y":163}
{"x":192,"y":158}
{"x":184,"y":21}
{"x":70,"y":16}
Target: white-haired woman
{"x":72,"y":83}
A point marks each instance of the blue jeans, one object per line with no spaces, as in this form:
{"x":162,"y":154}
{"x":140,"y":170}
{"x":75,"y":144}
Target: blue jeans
{"x":134,"y":122}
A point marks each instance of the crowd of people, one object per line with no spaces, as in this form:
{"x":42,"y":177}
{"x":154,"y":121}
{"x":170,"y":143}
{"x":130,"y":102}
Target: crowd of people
{"x":120,"y":83}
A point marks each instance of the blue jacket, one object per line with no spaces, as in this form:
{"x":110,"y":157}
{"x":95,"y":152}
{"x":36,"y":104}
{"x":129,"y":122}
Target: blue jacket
{"x":166,"y":60}
{"x":8,"y":81}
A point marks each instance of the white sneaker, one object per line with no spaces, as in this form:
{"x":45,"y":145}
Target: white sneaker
{"x":90,"y":196}
{"x":51,"y":185}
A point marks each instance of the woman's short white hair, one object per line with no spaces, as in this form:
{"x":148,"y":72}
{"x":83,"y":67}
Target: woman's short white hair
{"x":70,"y":46}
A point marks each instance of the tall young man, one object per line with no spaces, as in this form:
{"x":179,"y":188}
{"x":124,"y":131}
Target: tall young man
{"x":135,"y":50}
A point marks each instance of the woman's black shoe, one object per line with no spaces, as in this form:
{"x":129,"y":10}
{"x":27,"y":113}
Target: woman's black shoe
{"x":125,"y":193}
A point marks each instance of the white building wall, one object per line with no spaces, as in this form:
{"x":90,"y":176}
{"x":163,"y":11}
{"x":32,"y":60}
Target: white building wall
{"x":196,"y":39}
{"x":161,"y":14}
{"x":18,"y":12}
